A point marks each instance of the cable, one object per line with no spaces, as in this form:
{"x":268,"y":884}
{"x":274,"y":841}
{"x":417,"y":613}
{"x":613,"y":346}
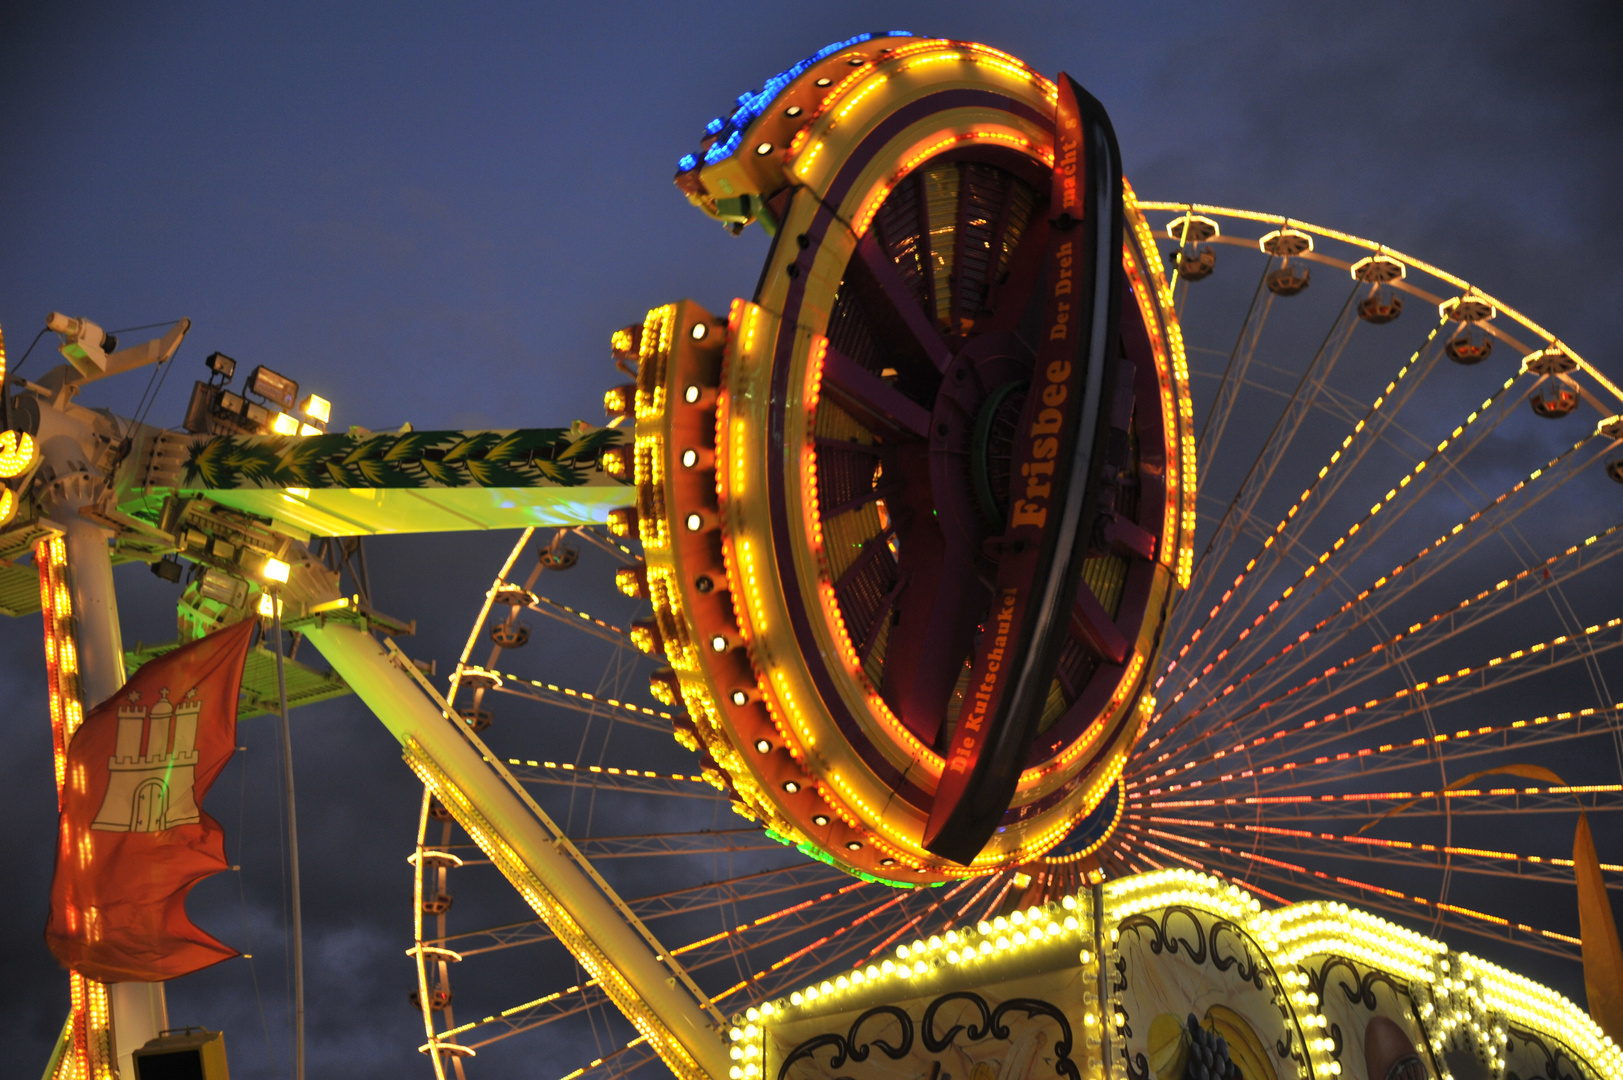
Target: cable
{"x":242,"y":892}
{"x":148,"y":326}
{"x":293,"y":846}
{"x":30,"y":349}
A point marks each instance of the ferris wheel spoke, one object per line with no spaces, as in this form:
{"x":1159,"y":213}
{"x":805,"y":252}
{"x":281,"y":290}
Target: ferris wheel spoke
{"x":796,"y":966}
{"x":1367,"y":529}
{"x":580,"y":621}
{"x":540,"y":1012}
{"x":703,"y":842}
{"x":579,"y":701}
{"x":1273,"y":722}
{"x":783,"y":929}
{"x":1355,"y":847}
{"x":615,"y":550}
{"x":1371,"y":761}
{"x":613,"y":778}
{"x":1368,"y":424}
{"x":1356,"y":539}
{"x":1246,"y":865}
{"x":780,"y":925}
{"x":1234,"y":372}
{"x":629,"y":1058}
{"x":1535,"y":580}
{"x":1363,"y":806}
{"x":1432,"y":694}
{"x":743,"y":887}
{"x":1221,"y":723}
{"x":1298,"y":407}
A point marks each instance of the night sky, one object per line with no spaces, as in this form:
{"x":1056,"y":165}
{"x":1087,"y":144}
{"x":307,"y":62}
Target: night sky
{"x":437,"y":214}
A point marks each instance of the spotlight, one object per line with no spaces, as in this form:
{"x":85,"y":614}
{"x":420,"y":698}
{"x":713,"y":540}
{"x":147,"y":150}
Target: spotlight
{"x":222,"y":365}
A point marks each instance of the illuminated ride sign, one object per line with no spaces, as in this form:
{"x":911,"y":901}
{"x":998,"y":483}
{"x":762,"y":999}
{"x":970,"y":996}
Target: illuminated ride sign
{"x":916,"y":513}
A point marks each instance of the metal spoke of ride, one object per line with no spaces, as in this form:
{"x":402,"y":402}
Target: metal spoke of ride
{"x":1304,"y":843}
{"x":1286,"y":427}
{"x":1535,"y":580}
{"x":1356,"y":539}
{"x":1451,"y":916}
{"x":1294,"y":769}
{"x":582,"y":701}
{"x":702,"y":842}
{"x":1367,"y":431}
{"x":1445,"y":688}
{"x":612,"y":778}
{"x":1484,"y":523}
{"x":1474,"y":529}
{"x":751,"y":887}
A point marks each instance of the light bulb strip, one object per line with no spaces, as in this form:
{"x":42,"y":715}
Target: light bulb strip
{"x":1412,"y":582}
{"x":1497,"y":671}
{"x":1334,"y":465}
{"x":1574,"y":560}
{"x":1416,"y":748}
{"x":1300,"y":584}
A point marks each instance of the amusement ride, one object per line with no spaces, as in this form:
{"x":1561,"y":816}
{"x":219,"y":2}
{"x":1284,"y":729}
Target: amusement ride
{"x":1019,"y":557}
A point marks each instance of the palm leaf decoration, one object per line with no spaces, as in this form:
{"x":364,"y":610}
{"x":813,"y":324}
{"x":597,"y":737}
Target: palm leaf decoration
{"x":441,"y":473}
{"x":210,"y":464}
{"x":372,"y":446}
{"x":516,"y":445}
{"x":589,"y":444}
{"x":492,"y":474}
{"x":413,"y":445}
{"x":256,"y":460}
{"x":558,"y":473}
{"x":301,"y":464}
{"x":339,"y":476}
{"x":472,"y":446}
{"x":377,"y":473}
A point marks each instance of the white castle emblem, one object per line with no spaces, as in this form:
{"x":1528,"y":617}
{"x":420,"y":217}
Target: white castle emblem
{"x":153,"y":767}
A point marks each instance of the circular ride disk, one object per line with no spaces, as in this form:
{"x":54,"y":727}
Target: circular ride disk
{"x":922,"y":506}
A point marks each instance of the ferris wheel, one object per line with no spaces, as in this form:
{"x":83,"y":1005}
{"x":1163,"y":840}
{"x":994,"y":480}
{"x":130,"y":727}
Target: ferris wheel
{"x":1336,"y":633}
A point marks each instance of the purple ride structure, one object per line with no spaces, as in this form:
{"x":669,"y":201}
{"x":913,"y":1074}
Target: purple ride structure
{"x":1086,"y":621}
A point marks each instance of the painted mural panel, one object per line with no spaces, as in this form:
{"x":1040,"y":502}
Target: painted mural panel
{"x":1019,"y":1029}
{"x":1197,"y":1001}
{"x":1373,"y":1020}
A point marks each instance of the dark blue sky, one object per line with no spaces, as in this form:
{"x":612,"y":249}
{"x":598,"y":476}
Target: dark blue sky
{"x":438,"y":213}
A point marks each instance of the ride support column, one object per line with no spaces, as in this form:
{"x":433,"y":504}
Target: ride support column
{"x":138,"y":1011}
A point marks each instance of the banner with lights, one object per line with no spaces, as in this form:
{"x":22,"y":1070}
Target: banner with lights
{"x":1180,"y":977}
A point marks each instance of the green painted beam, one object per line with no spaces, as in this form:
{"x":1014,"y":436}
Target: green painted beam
{"x":366,"y":483}
{"x":306,"y":685}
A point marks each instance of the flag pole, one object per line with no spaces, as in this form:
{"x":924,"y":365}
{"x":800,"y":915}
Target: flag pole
{"x":293,"y":844}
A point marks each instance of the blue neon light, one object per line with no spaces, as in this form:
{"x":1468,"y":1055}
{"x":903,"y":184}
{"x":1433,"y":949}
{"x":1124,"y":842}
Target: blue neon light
{"x":752,"y":105}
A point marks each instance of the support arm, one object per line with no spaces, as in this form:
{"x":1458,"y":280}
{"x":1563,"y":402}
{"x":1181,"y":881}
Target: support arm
{"x":532,"y":852}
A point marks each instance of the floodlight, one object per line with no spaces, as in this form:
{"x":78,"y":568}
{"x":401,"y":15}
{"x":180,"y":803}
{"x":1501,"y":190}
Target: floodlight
{"x":275,"y":570}
{"x":285,"y":424}
{"x":221,"y":364}
{"x":275,"y":388}
{"x":316,"y":408}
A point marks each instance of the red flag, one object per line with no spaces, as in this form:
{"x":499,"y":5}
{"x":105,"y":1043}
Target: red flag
{"x":133,"y":838}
